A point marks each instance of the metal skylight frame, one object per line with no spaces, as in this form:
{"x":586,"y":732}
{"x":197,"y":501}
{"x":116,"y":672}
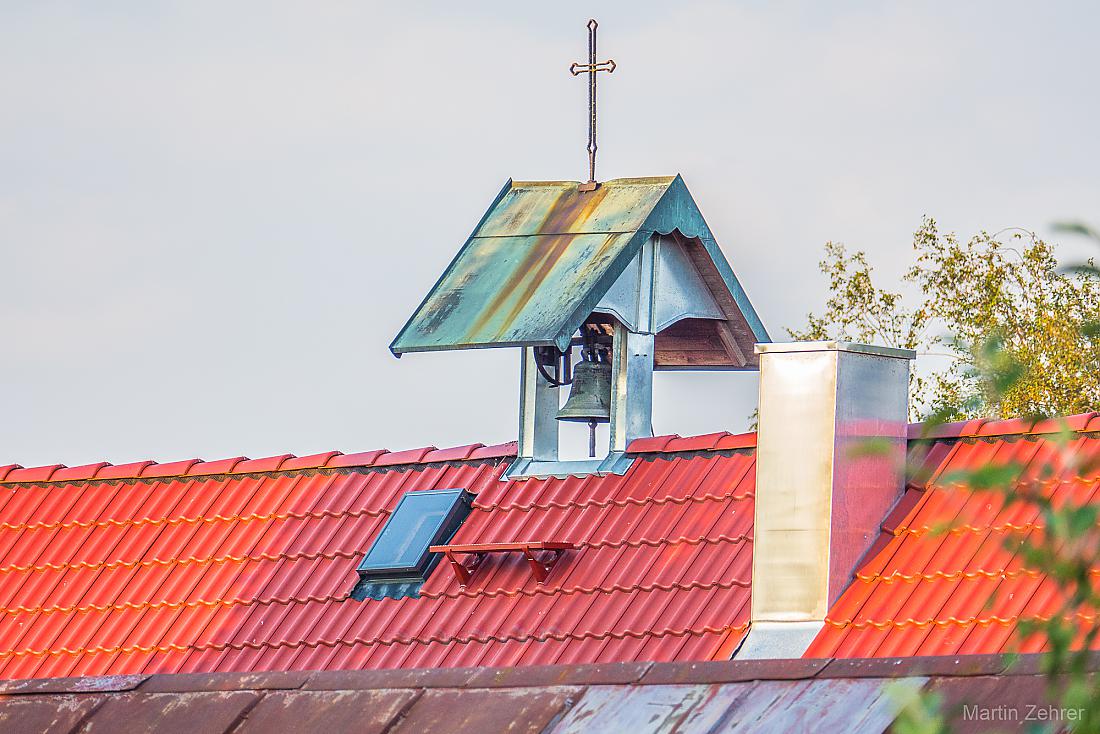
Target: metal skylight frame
{"x":400,"y":560}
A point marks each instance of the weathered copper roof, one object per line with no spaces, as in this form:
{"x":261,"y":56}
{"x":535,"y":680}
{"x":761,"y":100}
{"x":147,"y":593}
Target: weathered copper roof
{"x":543,"y":256}
{"x":640,"y":698}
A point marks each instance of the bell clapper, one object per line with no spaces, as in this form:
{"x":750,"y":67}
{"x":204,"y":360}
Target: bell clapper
{"x":592,"y":437}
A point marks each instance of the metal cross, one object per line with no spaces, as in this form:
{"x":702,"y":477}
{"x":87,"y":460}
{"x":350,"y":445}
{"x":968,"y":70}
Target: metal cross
{"x":591,"y":68}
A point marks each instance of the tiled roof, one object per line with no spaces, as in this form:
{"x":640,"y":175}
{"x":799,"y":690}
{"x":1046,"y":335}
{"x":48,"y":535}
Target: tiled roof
{"x":640,"y":698}
{"x":246,"y":565}
{"x":924,"y":591}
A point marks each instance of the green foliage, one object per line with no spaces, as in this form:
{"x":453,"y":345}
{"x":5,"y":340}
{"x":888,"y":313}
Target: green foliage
{"x":1021,"y":333}
{"x":918,"y":713}
{"x":1066,"y":548}
{"x":1032,"y":331}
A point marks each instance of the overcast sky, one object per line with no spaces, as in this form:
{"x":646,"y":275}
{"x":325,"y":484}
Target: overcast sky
{"x":215,"y":216}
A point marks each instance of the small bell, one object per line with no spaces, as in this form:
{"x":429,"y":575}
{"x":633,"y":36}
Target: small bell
{"x":590,"y":394}
{"x":589,"y":398}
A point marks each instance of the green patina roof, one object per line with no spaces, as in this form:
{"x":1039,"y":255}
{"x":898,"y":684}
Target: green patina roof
{"x":543,"y":256}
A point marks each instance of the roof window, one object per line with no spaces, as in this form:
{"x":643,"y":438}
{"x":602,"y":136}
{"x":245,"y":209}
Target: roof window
{"x":399,"y":561}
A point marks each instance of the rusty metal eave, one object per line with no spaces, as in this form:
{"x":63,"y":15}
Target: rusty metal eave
{"x":542,"y":257}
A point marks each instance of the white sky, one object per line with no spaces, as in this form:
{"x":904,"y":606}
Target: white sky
{"x":214,"y":216}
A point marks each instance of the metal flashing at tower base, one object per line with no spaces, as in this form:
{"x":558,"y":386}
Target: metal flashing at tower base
{"x":616,"y":462}
{"x":777,"y":640}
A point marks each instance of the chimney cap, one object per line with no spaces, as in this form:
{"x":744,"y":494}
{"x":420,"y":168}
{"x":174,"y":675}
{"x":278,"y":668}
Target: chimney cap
{"x":834,"y":346}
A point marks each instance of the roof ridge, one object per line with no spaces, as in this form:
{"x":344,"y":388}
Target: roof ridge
{"x":675,"y":443}
{"x":665,"y":444}
{"x":194,"y":468}
{"x":989,"y":427}
{"x":624,"y":180}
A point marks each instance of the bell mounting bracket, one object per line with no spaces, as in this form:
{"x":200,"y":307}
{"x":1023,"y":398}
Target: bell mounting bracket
{"x":547,"y":358}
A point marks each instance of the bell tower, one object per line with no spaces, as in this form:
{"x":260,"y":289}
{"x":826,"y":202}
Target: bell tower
{"x":598,"y":287}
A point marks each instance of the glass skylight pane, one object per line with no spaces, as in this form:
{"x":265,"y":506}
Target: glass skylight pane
{"x":419,"y":520}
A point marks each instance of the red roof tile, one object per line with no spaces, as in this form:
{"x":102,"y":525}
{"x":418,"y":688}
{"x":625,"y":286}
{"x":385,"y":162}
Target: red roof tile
{"x":33,"y":474}
{"x":252,"y":572}
{"x":946,"y":430}
{"x":655,"y":443}
{"x":456,"y":453}
{"x":171,"y":469}
{"x":121,"y":471}
{"x":737,"y":441}
{"x":706,"y":442}
{"x":986,"y":427}
{"x":309,"y":462}
{"x":221,"y":466}
{"x":365,"y":458}
{"x":902,"y":511}
{"x":924,"y":592}
{"x":270,"y":463}
{"x":1010,"y":426}
{"x":1072,"y":423}
{"x":409,"y":456}
{"x":74,"y":473}
{"x":710,"y":442}
{"x":496,"y":451}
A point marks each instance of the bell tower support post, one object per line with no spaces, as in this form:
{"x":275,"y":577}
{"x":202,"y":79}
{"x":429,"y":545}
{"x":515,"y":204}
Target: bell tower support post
{"x":631,"y":388}
{"x":538,"y":411}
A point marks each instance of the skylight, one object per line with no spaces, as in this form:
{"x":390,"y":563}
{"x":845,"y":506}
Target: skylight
{"x":399,"y":560}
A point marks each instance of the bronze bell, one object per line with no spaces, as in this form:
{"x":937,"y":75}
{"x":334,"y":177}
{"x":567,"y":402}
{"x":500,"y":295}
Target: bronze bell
{"x":590,"y":395}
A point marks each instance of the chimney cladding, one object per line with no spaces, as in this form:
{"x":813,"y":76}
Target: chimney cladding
{"x":829,"y":465}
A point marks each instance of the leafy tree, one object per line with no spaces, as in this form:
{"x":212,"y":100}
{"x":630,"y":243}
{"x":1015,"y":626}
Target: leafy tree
{"x":1064,"y":544}
{"x":993,"y":298}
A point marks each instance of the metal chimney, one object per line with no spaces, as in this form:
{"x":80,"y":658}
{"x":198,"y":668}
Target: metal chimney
{"x":830,"y":462}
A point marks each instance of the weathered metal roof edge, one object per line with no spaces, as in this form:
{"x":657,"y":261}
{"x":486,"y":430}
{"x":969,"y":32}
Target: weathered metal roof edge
{"x":678,"y":189}
{"x":624,"y":673}
{"x":394,"y":349}
{"x":666,"y":180}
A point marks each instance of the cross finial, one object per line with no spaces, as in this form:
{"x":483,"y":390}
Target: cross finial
{"x":591,"y":68}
